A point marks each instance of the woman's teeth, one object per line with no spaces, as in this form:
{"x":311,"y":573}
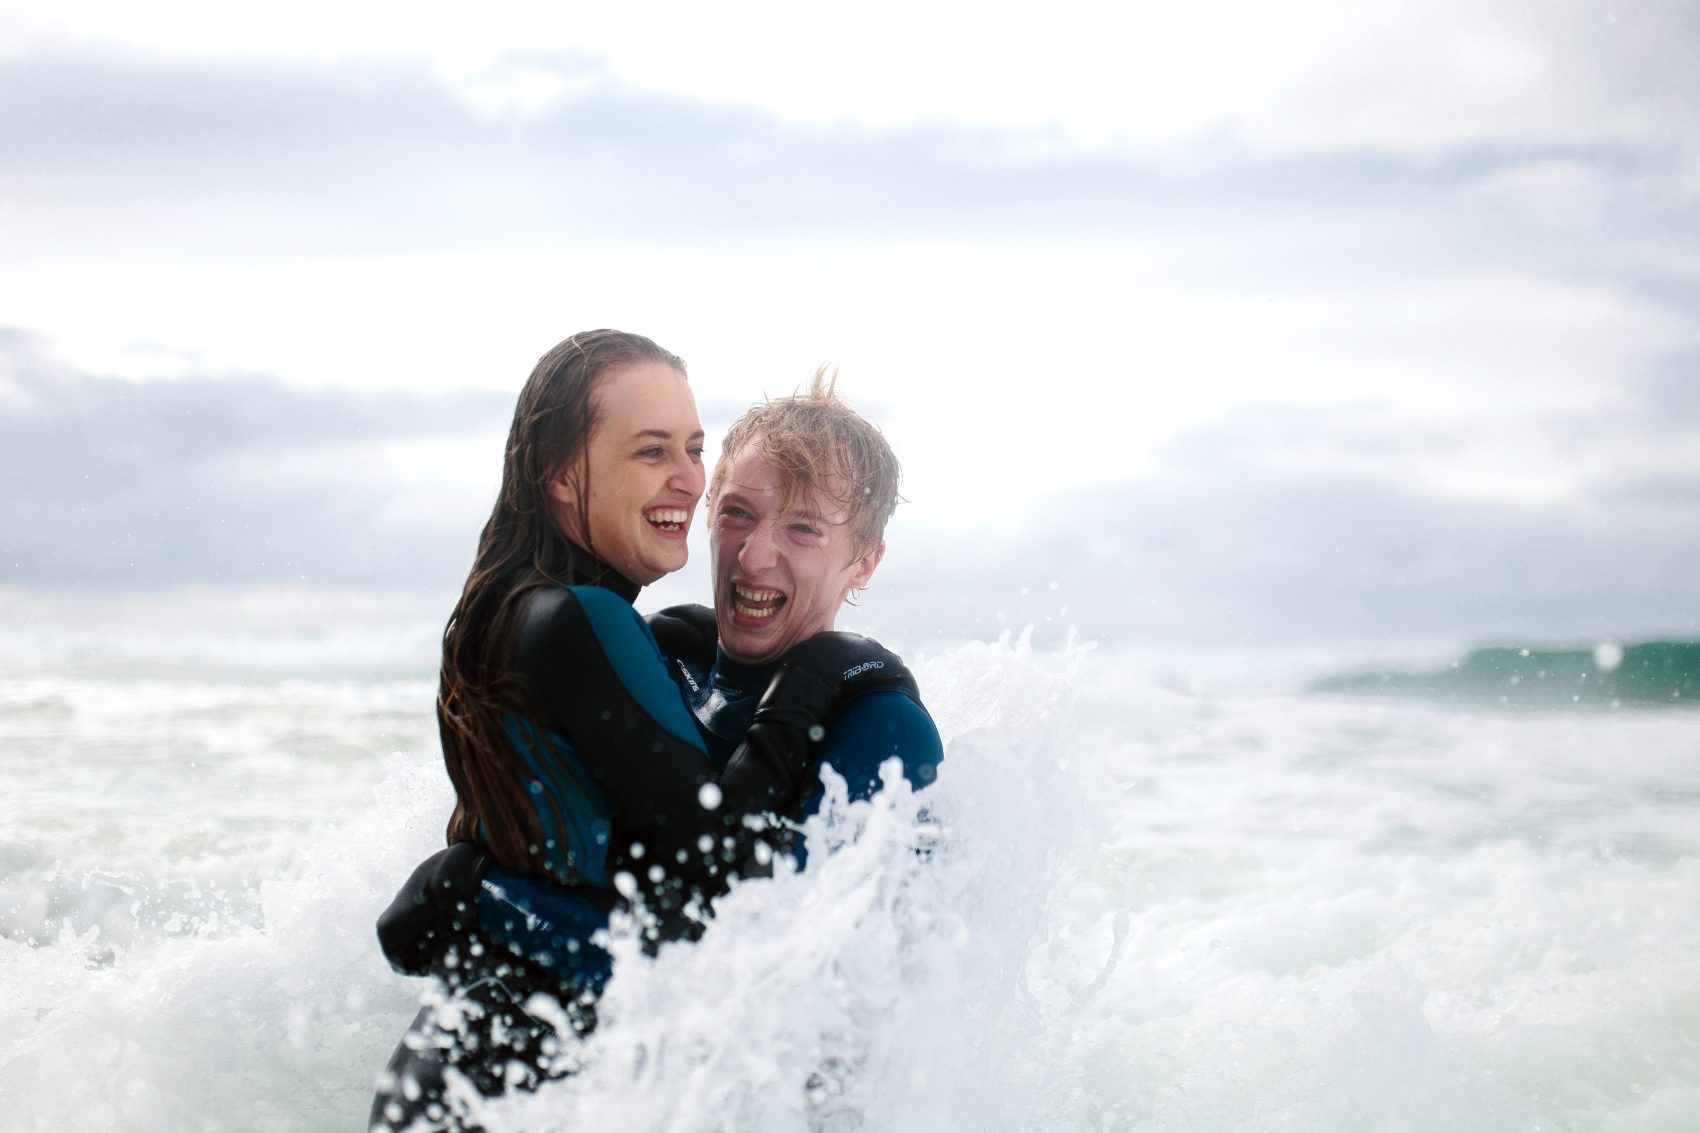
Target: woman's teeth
{"x":669,"y":519}
{"x":757,"y":603}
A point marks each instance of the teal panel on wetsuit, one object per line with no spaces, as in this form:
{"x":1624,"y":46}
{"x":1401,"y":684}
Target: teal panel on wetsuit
{"x":637,"y":661}
{"x":574,"y":816}
{"x":873,"y":728}
{"x":868,"y":730}
{"x":546,"y":925}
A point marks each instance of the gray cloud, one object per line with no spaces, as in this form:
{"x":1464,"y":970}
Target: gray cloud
{"x":155,"y":483}
{"x":1668,"y":397}
{"x":163,"y":483}
{"x":362,"y":157}
{"x":235,"y":479}
{"x":1224,"y":544}
{"x":395,"y":156}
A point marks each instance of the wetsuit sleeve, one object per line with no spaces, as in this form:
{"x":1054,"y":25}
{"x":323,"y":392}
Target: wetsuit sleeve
{"x":598,"y":679}
{"x":874,"y":728}
{"x":686,"y":633}
{"x":434,"y":910}
{"x":547,"y":925}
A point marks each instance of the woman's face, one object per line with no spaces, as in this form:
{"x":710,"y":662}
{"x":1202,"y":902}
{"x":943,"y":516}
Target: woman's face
{"x":646,"y":473}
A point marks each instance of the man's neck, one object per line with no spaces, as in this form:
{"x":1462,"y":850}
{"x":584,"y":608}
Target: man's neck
{"x":738,"y":676}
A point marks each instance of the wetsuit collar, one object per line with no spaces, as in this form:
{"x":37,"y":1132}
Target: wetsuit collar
{"x":737,"y":676}
{"x":588,"y":570}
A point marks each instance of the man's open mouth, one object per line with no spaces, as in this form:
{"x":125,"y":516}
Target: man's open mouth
{"x":753,"y":603}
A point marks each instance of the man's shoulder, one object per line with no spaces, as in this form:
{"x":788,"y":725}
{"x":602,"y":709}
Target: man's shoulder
{"x":880,"y":725}
{"x":888,"y":707}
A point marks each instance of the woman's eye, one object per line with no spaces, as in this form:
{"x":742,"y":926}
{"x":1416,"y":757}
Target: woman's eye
{"x":696,"y":453}
{"x":653,"y":452}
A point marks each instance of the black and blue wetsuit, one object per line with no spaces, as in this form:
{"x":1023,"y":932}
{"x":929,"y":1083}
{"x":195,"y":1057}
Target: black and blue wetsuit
{"x":861,"y":736}
{"x":615,"y":768}
{"x":616,"y":764}
{"x":530,"y":915}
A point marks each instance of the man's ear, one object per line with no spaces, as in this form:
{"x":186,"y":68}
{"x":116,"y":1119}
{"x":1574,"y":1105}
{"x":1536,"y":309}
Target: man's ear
{"x":866,"y":565}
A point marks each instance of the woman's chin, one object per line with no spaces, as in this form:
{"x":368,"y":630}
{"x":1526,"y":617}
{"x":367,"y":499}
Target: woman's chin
{"x":654,"y":565}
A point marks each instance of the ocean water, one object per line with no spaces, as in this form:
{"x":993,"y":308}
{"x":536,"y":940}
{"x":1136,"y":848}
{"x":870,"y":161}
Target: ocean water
{"x":1166,"y":892}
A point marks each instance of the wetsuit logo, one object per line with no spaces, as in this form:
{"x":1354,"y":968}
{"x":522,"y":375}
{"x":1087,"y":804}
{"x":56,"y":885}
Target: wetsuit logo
{"x":862,"y":668}
{"x":690,"y":680}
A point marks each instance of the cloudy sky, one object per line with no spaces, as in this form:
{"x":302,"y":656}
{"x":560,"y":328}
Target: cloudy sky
{"x":1207,"y":320}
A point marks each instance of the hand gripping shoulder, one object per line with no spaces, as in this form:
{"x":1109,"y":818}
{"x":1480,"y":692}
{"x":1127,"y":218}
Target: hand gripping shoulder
{"x":687,"y":632}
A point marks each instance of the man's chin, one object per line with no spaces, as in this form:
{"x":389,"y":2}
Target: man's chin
{"x":750,"y":645}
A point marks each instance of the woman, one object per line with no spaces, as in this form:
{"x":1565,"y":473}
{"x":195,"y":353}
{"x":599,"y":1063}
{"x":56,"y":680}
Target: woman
{"x":570,"y":750}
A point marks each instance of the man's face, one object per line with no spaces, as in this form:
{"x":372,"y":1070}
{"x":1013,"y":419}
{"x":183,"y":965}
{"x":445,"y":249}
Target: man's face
{"x":780,"y":576}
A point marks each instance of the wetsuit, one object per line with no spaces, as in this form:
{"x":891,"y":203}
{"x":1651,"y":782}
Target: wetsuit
{"x":530,"y":916}
{"x":867,"y":727}
{"x":616,"y":769}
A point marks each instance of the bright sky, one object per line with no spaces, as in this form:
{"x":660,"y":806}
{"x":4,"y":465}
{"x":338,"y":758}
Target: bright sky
{"x":1452,"y":246}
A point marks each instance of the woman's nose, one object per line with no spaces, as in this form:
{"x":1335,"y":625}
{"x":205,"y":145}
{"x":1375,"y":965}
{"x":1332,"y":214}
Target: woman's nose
{"x":687,"y":476}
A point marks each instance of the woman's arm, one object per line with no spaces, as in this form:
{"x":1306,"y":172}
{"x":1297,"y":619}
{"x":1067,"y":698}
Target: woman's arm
{"x":600,"y":682}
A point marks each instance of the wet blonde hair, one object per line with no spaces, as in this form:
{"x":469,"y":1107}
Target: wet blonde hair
{"x":817,"y":442}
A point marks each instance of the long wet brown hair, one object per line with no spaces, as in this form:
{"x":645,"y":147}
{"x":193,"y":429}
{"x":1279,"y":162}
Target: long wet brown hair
{"x":520,"y":550}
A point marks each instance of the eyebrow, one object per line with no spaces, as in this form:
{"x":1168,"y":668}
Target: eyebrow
{"x":664,"y":434}
{"x":732,"y":494}
{"x":811,"y":516}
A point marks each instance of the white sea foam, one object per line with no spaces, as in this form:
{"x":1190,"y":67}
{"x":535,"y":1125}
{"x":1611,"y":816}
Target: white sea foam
{"x":1155,"y":900}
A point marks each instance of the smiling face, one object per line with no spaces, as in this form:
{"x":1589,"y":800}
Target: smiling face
{"x":781,"y":571}
{"x":645,"y":473}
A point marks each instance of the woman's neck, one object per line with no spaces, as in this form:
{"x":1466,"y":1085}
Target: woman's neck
{"x":588,"y":570}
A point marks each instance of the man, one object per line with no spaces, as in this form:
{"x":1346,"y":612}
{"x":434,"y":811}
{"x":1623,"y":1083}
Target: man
{"x":797,"y":508}
{"x":798,"y":504}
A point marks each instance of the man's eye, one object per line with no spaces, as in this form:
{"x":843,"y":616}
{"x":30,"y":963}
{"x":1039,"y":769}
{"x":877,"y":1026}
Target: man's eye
{"x":805,"y":529}
{"x":733,"y":511}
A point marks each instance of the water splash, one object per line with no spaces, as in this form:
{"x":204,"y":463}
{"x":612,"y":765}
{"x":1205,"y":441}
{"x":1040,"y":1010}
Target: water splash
{"x":1146,"y":907}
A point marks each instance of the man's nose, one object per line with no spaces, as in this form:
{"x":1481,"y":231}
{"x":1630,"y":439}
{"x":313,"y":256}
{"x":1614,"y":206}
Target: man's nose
{"x":759,"y":550}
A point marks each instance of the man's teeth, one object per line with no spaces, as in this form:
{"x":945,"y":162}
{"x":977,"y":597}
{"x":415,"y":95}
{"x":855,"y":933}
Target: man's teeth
{"x":769,"y":601}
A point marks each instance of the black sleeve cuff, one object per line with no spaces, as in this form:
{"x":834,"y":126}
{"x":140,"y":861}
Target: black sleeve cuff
{"x":435,"y":908}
